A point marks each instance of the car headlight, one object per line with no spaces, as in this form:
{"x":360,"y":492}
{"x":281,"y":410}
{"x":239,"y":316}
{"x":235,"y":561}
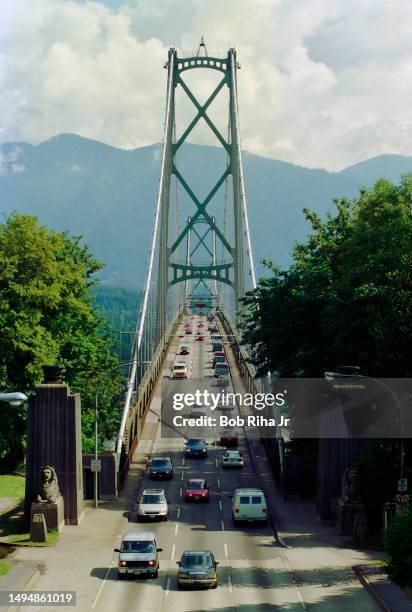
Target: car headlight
{"x":211,"y":574}
{"x":122,"y":563}
{"x":203,"y":450}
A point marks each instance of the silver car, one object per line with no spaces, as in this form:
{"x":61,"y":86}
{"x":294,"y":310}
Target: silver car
{"x":152,"y":505}
{"x":138,"y":555}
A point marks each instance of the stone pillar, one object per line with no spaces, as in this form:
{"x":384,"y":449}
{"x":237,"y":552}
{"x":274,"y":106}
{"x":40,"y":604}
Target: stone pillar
{"x":54,"y":438}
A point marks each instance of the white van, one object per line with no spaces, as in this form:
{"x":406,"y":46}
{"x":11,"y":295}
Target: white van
{"x":138,"y":554}
{"x":249,"y":505}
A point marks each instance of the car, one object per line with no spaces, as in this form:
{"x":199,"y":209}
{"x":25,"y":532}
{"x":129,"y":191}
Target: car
{"x":198,"y":410}
{"x":196,"y":489}
{"x":184,"y":349}
{"x":152,"y":505}
{"x":196,"y":447}
{"x":213,"y":329}
{"x":228,"y":438}
{"x":138,"y":554}
{"x":218,"y":359}
{"x":232,"y":458}
{"x":200,"y":326}
{"x":161,"y":467}
{"x":180,"y":370}
{"x":221,"y":369}
{"x":249,"y":505}
{"x":217,"y":346}
{"x":197,"y":568}
{"x":200,"y":338}
{"x":188,"y":330}
{"x":215,"y":336}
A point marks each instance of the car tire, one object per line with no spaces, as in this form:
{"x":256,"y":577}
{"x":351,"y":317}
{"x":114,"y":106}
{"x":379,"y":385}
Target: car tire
{"x":121,"y":576}
{"x":166,"y":518}
{"x":155,"y":574}
{"x":179,"y":585}
{"x":214,"y":586}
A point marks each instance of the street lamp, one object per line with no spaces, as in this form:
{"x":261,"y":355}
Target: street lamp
{"x":14,"y":399}
{"x":96,"y":411}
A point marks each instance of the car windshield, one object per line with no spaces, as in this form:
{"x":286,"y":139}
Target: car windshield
{"x":160,"y":463}
{"x":199,"y":559}
{"x":222,"y":367}
{"x":151,"y":499}
{"x":139,"y":546}
{"x":195,"y":485}
{"x":180,"y":367}
{"x":194,"y":442}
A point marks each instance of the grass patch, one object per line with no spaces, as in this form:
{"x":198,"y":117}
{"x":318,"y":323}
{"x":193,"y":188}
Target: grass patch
{"x":23,"y":539}
{"x":12,"y":485}
{"x":5,"y":566}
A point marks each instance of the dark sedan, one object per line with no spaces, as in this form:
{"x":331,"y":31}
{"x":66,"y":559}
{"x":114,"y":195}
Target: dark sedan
{"x":197,"y":568}
{"x":196,"y":447}
{"x":161,"y":468}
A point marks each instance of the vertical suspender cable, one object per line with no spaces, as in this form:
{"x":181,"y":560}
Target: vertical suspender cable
{"x":242,"y":183}
{"x":140,"y":325}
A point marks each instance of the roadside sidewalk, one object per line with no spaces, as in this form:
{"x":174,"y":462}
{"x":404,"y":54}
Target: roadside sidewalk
{"x":315,"y":551}
{"x":84,"y":553}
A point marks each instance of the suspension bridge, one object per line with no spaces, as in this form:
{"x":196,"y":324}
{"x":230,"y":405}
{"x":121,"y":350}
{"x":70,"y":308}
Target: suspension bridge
{"x":200,"y":249}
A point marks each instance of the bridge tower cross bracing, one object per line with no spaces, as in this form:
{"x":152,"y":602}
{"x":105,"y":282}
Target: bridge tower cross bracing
{"x":238,"y":260}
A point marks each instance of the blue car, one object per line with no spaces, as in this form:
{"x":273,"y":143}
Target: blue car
{"x":196,"y":447}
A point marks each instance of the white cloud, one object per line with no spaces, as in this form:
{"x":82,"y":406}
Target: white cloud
{"x":323,"y":82}
{"x":8,"y":162}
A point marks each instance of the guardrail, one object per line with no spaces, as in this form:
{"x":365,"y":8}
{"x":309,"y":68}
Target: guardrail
{"x":141,"y":400}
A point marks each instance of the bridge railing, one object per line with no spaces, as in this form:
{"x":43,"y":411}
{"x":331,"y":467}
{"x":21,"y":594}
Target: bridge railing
{"x":141,"y":399}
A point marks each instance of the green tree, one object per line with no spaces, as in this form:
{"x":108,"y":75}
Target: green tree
{"x":398,"y":544}
{"x":46,"y":316}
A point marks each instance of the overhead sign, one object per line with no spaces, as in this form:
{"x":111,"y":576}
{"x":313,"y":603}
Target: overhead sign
{"x":96,"y":465}
{"x":402,"y":485}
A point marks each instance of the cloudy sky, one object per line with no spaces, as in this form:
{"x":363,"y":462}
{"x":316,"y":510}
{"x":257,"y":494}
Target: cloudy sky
{"x":324,"y":83}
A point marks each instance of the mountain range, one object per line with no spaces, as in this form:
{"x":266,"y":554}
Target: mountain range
{"x":108,"y":195}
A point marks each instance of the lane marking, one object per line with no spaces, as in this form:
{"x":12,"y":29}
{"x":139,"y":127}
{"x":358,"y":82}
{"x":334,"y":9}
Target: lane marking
{"x":222,"y":524}
{"x":220,"y":505}
{"x":226,"y":550}
{"x":183,"y":475}
{"x":218,"y":483}
{"x":167,"y":586}
{"x":216,"y":462}
{"x":183,"y":460}
{"x":103,"y":584}
{"x":178,"y":513}
{"x":172,"y":556}
{"x":229,"y":582}
{"x":176,"y":528}
{"x":181,"y":493}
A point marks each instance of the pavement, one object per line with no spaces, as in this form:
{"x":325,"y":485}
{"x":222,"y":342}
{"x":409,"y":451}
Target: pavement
{"x":306,"y":568}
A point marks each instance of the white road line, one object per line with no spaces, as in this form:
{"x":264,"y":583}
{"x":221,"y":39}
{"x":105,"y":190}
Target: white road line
{"x":172,"y":556}
{"x":183,"y":475}
{"x":183,"y":460}
{"x":216,"y":462}
{"x":176,"y":528}
{"x":222,"y":522}
{"x":218,"y":483}
{"x":220,"y":505}
{"x":167,"y":586}
{"x":226,"y":550}
{"x":103,"y":583}
{"x":229,"y":582}
{"x":178,"y":513}
{"x":181,"y":493}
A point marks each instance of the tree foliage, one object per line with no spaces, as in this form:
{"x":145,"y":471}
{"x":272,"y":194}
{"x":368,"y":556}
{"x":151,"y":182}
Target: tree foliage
{"x":346,"y":299}
{"x":398,"y":544}
{"x":46,"y":316}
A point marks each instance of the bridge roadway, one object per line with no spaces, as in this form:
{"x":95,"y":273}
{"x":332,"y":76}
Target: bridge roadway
{"x":254,"y":571}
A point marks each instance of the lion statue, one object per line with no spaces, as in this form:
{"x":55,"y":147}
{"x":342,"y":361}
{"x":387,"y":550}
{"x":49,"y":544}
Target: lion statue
{"x":351,"y":484}
{"x":49,"y":487}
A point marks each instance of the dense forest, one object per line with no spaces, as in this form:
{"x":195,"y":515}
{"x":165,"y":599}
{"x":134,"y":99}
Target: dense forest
{"x":119,"y":307}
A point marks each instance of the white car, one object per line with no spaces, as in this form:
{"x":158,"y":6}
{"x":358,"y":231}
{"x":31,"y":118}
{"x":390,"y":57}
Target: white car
{"x":232,"y":458}
{"x":180,"y":370}
{"x":153,"y":505}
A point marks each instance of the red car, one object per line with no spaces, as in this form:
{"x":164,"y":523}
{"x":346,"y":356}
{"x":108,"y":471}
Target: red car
{"x":196,"y":489}
{"x":228,"y":439}
{"x":200,"y":338}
